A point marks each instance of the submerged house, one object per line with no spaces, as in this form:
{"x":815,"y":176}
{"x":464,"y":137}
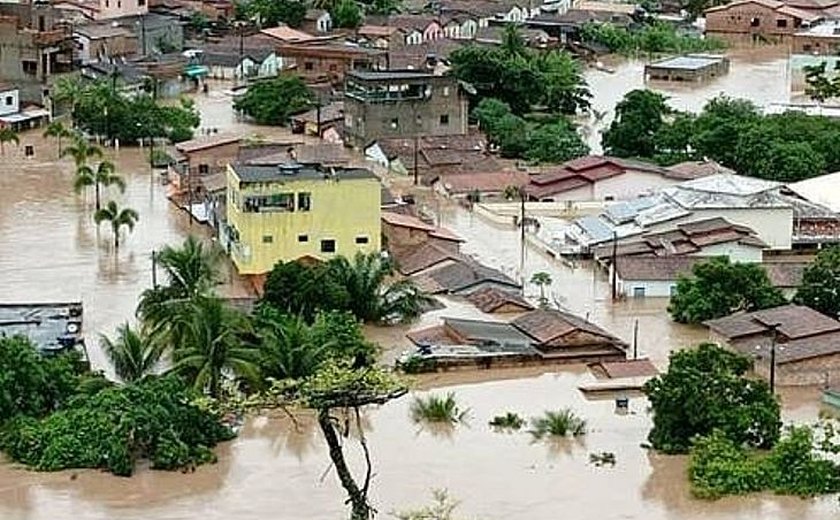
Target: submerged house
{"x":537,"y":337}
{"x":52,"y":327}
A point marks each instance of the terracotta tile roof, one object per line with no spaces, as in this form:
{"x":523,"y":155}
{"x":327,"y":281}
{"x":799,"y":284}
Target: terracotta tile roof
{"x":629,"y":368}
{"x":546,"y":325}
{"x":797,"y":350}
{"x":377,"y":30}
{"x":655,"y":268}
{"x":696,"y":169}
{"x":287,"y":34}
{"x":491,"y":299}
{"x":483,"y":182}
{"x":795,"y":322}
{"x":411,"y":260}
{"x":321,"y":153}
{"x":409,"y":221}
{"x":408,"y":22}
{"x":204,"y":142}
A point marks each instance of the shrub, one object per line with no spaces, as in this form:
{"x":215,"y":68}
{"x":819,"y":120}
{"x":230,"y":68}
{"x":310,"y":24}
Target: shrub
{"x":436,"y":409}
{"x":558,"y":424}
{"x":509,"y":421}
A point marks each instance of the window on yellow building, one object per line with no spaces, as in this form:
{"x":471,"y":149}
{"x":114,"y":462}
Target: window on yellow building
{"x":277,"y":202}
{"x":303,"y":238}
{"x":304,"y":201}
{"x":362,"y":240}
{"x":328,"y":246}
{"x":267,"y":239}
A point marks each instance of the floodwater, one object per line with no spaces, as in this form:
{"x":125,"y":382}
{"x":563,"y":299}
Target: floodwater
{"x":51,"y":250}
{"x":759,"y":74}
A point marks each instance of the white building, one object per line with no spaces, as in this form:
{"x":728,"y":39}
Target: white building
{"x":9,"y":100}
{"x":775,"y":213}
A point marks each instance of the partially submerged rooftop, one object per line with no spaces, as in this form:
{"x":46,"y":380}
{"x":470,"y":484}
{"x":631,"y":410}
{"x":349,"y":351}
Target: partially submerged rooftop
{"x":286,"y":172}
{"x":52,"y":327}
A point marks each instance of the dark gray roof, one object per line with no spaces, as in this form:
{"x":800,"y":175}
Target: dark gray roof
{"x":465,"y":274}
{"x":488,"y":332}
{"x":50,"y":326}
{"x":262,"y":173}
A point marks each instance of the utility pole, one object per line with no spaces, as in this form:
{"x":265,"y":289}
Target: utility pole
{"x":143,"y":32}
{"x":522,"y":233}
{"x":774,"y":330}
{"x":154,"y":269}
{"x":614,"y":282}
{"x":416,"y":156}
{"x":636,"y":339}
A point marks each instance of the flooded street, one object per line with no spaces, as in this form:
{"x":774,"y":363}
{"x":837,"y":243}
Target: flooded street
{"x":760,"y":75}
{"x":50,"y":249}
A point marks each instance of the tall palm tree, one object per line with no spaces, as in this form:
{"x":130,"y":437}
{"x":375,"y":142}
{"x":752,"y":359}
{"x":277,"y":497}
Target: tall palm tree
{"x":104,"y":175}
{"x":59,"y":131}
{"x":286,"y":350}
{"x":81,"y":150}
{"x":118,"y":217}
{"x":541,"y":280}
{"x":191,"y":271}
{"x":372,"y":296}
{"x":7,"y":135}
{"x":212,"y":345}
{"x":132,"y":353}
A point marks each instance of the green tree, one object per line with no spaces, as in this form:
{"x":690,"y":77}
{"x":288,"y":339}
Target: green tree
{"x":273,"y":101}
{"x":542,"y":280}
{"x":555,"y":143}
{"x":7,"y":135}
{"x":212,"y":345}
{"x":718,"y":125}
{"x":270,"y":13}
{"x":706,"y":389}
{"x":104,"y":175}
{"x":565,"y":87}
{"x":117,"y":217}
{"x":57,"y":129}
{"x":371,"y":296}
{"x":337,"y":386}
{"x":511,"y":136}
{"x":718,"y":288}
{"x":191,"y":271}
{"x":303,"y":290}
{"x":820,"y":289}
{"x":818,"y":86}
{"x":639,"y":116}
{"x":33,"y":385}
{"x":346,"y":14}
{"x":81,"y":151}
{"x":513,"y":44}
{"x":132,"y":353}
{"x":383,"y":7}
{"x":489,"y":112}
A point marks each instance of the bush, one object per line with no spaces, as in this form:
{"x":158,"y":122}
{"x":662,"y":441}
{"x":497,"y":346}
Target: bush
{"x":153,"y":419}
{"x":558,"y":424}
{"x":436,"y":409}
{"x":508,"y":421}
{"x":718,"y":467}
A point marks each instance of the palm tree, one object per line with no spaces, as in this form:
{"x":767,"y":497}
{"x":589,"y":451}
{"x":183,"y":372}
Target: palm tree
{"x":371,"y":296}
{"x":103,"y":175}
{"x":59,"y":131}
{"x":81,"y":150}
{"x":133,"y":354}
{"x":67,"y":90}
{"x":286,"y":350}
{"x":541,"y":280}
{"x":7,"y":135}
{"x":118,"y":217}
{"x":212,"y":345}
{"x":191,"y":271}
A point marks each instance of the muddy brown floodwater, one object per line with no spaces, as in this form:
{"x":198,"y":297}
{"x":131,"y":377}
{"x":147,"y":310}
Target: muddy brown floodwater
{"x":51,"y":250}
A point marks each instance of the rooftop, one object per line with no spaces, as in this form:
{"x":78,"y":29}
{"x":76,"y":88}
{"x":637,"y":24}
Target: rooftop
{"x":487,"y":331}
{"x":411,"y":260}
{"x":389,"y":75}
{"x":547,"y":325}
{"x":205,"y":142}
{"x":492,"y":299}
{"x":657,"y":268}
{"x":463,"y":275}
{"x":296,"y":172}
{"x":689,"y":62}
{"x":490,"y":182}
{"x":287,"y":34}
{"x":794,"y":322}
{"x":50,"y":326}
{"x":410,"y":221}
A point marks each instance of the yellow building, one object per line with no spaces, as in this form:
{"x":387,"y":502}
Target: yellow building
{"x":288,"y":211}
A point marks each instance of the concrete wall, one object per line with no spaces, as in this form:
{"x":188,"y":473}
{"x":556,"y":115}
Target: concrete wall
{"x":810,"y":44}
{"x":630,"y":185}
{"x":368,"y":120}
{"x":214,"y":158}
{"x":740,"y":19}
{"x":651,"y":288}
{"x":117,"y":8}
{"x":736,"y":252}
{"x":823,"y":370}
{"x":340,"y":210}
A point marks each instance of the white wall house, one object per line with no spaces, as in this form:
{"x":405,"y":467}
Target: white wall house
{"x":9,"y":100}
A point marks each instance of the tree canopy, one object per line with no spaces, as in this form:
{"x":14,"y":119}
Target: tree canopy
{"x":347,"y":14}
{"x":270,"y":13}
{"x":651,"y":37}
{"x":706,"y":389}
{"x":820,"y":287}
{"x":273,"y":101}
{"x":523,"y":78}
{"x":717,"y":288}
{"x":550,"y":140}
{"x":782,"y":147}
